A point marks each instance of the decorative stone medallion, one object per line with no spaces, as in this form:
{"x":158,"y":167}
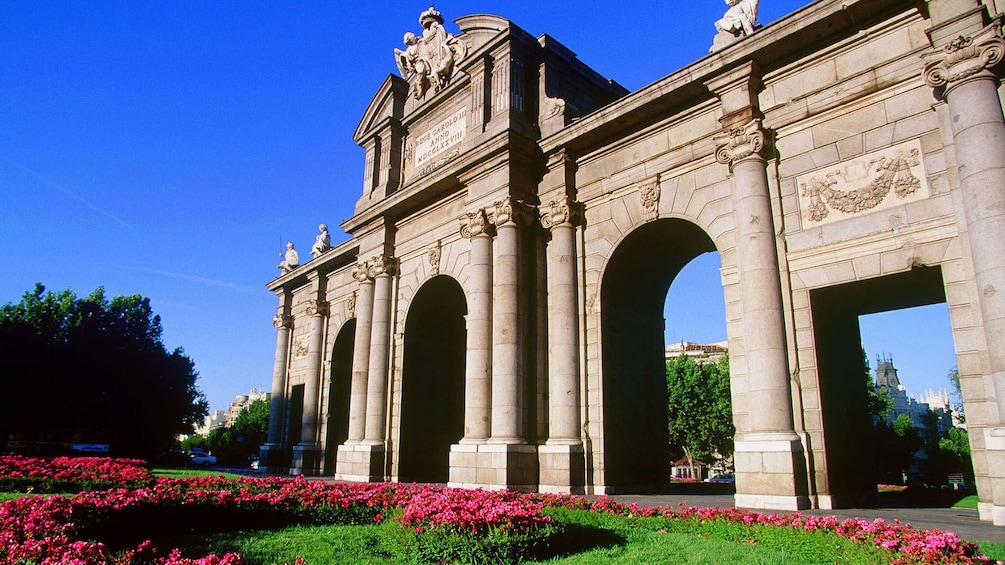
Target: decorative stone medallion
{"x":875,"y":181}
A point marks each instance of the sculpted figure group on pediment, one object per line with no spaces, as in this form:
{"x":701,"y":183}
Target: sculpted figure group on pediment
{"x":430,"y":60}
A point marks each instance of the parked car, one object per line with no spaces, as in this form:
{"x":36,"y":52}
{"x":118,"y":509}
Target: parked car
{"x":202,"y":459}
{"x":173,"y":458}
{"x":725,"y":478}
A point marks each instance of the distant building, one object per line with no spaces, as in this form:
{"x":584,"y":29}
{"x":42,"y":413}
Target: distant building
{"x":703,"y":352}
{"x":226,"y":418}
{"x":920,"y":411}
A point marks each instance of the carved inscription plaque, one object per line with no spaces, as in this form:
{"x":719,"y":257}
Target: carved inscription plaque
{"x":442,"y":136}
{"x":875,"y":181}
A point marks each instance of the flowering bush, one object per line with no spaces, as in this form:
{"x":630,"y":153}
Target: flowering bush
{"x":70,"y":474}
{"x":437,"y":524}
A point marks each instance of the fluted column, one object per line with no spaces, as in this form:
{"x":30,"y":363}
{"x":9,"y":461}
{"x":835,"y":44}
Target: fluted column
{"x":478,"y":360}
{"x":381,"y":268}
{"x":507,"y":418}
{"x":757,"y":261}
{"x":561,"y":217}
{"x":270,"y":453}
{"x":960,"y":71}
{"x":360,"y":355}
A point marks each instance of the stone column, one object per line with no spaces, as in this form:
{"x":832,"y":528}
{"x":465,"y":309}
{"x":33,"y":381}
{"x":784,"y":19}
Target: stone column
{"x":271,"y":454}
{"x":507,"y":452}
{"x":770,"y":459}
{"x":478,"y":357}
{"x":306,"y":454}
{"x":381,"y":268}
{"x":562,"y":460}
{"x":352,"y":462}
{"x":960,"y":72}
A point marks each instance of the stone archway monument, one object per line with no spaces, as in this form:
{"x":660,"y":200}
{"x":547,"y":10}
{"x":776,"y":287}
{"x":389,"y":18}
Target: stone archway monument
{"x":818,"y":156}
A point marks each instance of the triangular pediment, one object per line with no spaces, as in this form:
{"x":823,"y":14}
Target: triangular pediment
{"x":387,"y":103}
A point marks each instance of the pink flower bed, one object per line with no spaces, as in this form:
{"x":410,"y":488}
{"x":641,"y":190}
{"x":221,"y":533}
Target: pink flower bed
{"x":76,"y":469}
{"x":46,"y":530}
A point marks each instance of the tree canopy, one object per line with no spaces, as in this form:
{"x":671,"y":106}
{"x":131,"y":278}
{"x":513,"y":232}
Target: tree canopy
{"x":94,"y":366}
{"x":699,"y":407}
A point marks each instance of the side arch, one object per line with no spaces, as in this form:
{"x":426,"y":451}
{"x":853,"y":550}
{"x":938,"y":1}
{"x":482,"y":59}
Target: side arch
{"x":634,"y":287}
{"x":432,"y":384}
{"x":337,"y":428}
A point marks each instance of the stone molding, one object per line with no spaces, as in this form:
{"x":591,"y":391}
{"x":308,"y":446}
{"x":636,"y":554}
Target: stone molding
{"x":507,"y":211}
{"x":475,"y":223}
{"x":965,"y":57}
{"x":739,"y":143}
{"x":563,"y":212}
{"x":350,"y":304}
{"x":381,"y":265}
{"x":317,"y":307}
{"x":282,"y":321}
{"x":649,"y":194}
{"x":433,"y":253}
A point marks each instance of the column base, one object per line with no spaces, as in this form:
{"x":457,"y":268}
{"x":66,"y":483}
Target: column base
{"x":360,"y":463}
{"x":771,"y":472}
{"x":306,"y":459}
{"x":493,"y":466}
{"x":272,"y":459}
{"x":562,"y":468}
{"x":993,"y":507}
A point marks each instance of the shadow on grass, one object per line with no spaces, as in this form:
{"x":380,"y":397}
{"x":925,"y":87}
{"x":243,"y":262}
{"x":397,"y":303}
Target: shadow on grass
{"x":577,"y":538}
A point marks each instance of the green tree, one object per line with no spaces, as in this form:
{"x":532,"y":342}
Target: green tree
{"x":901,"y":440}
{"x":699,"y":408}
{"x":954,"y":447}
{"x":956,"y":395}
{"x":97,"y":366}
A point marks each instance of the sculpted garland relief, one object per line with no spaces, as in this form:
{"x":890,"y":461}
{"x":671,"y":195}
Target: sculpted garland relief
{"x":863,"y":184}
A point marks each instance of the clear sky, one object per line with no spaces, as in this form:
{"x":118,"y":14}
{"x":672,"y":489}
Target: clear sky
{"x":171,"y":148}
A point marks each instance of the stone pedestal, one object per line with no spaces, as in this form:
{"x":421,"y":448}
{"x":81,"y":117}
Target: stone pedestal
{"x":271,"y":459}
{"x":494,"y":466}
{"x":562,"y":468}
{"x":306,"y":459}
{"x":360,"y":463}
{"x":994,"y":443}
{"x":771,"y":472}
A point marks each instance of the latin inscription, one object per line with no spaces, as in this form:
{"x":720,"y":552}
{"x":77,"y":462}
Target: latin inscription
{"x":440,"y":137}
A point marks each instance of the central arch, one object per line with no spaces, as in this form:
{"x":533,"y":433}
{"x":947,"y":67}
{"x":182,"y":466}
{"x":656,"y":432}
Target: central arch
{"x":633,"y":292}
{"x":432,"y":393}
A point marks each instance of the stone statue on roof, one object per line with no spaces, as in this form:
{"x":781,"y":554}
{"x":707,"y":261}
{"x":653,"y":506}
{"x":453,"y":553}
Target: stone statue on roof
{"x":739,"y":21}
{"x":291,"y":260}
{"x":429,"y":61}
{"x":322,"y":243}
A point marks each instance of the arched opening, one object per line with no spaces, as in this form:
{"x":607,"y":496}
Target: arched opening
{"x":432,"y":383}
{"x":851,"y":473}
{"x":633,"y":293}
{"x":338,"y":394}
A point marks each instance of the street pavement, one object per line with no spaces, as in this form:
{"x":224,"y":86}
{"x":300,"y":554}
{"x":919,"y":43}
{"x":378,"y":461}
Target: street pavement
{"x":964,"y":522}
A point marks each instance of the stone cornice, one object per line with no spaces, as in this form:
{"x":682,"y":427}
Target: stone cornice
{"x":966,"y":57}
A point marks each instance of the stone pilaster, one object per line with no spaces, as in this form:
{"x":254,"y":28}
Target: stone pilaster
{"x":960,"y":71}
{"x":271,"y":454}
{"x":770,"y":459}
{"x":562,"y":459}
{"x":306,"y":454}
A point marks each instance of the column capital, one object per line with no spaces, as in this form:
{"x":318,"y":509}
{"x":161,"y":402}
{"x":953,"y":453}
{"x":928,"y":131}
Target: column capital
{"x":740,"y":143}
{"x":965,"y":58}
{"x":507,"y":211}
{"x":282,"y":321}
{"x":475,"y":223}
{"x":381,"y":265}
{"x":317,"y":308}
{"x":562,"y":212}
{"x":361,"y":273}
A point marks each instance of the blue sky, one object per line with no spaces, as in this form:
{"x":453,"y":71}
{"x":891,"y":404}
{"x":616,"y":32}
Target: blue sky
{"x":170,"y":148}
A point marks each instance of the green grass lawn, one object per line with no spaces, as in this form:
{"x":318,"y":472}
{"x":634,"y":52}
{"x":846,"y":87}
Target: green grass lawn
{"x":185,"y":473}
{"x":969,"y":501}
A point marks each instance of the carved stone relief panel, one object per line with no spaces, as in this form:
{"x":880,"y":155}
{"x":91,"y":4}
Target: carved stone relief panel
{"x":300,"y":348}
{"x":875,"y":181}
